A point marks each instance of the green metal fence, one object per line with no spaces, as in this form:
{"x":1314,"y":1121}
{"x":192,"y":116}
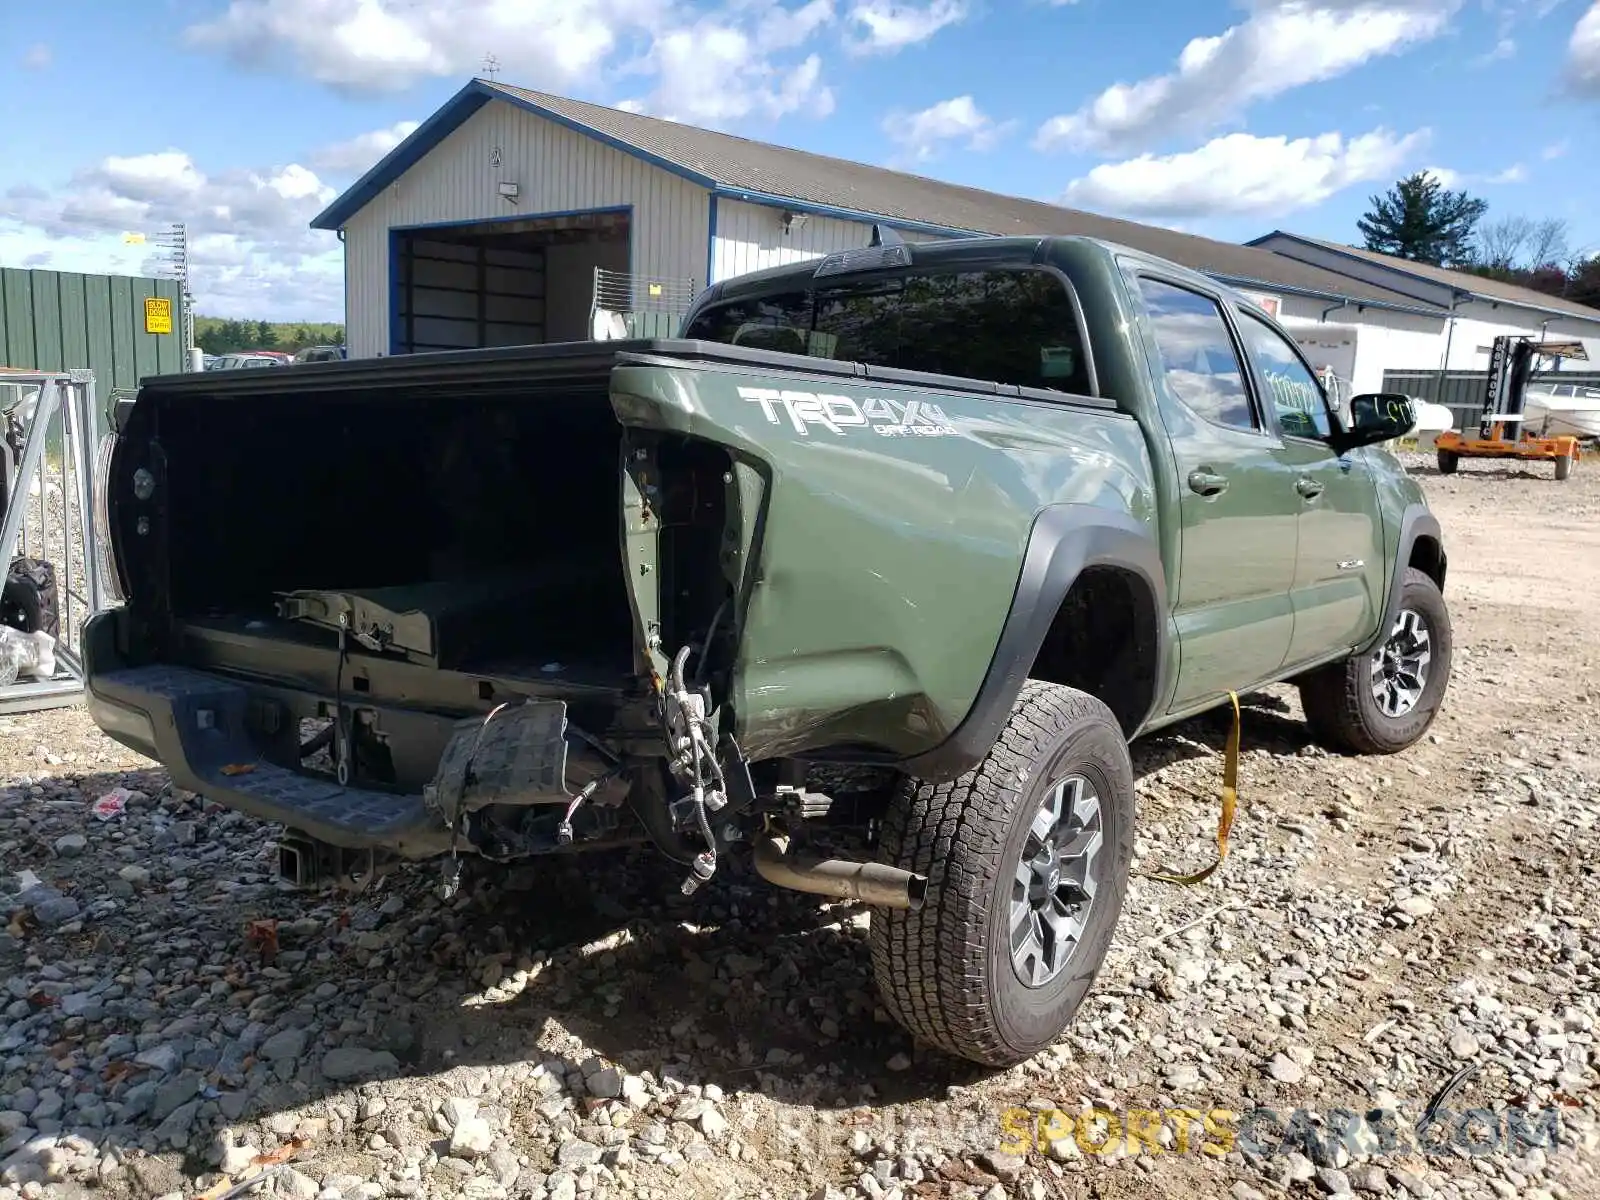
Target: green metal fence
{"x":62,"y":321}
{"x":1462,"y":391}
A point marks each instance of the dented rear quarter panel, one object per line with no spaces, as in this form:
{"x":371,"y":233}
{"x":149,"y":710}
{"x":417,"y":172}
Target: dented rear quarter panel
{"x":882,"y":565}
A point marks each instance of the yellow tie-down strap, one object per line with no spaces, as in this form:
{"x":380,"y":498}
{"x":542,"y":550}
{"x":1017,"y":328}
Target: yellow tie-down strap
{"x":1230,"y":802}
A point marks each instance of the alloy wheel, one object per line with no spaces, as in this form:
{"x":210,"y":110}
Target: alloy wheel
{"x":1400,"y":667}
{"x":1054,"y":883}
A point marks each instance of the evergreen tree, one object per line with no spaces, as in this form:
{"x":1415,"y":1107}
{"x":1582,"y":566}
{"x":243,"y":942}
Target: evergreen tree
{"x":1584,"y":285}
{"x":1420,"y":219}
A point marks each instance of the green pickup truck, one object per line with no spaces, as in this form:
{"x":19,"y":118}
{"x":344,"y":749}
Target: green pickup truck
{"x":962,"y":518}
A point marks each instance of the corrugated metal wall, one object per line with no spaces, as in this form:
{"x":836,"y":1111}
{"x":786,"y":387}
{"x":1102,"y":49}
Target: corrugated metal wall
{"x":750,"y":237}
{"x":557,"y":171}
{"x":1462,"y":391}
{"x":60,"y":321}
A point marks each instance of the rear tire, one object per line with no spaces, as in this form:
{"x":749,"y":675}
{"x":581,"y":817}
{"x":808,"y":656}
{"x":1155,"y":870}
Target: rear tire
{"x":1342,"y":701}
{"x":948,"y":973}
{"x":1449,"y":460}
{"x":1563,"y":467}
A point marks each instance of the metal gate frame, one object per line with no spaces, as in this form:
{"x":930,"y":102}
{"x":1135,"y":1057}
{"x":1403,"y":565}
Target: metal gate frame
{"x":70,"y":393}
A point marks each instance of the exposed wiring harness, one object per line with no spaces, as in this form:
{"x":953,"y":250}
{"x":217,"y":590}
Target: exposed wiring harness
{"x":687,"y":726}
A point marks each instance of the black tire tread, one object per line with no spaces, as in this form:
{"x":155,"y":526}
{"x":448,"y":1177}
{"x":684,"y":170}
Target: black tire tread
{"x":930,"y":965}
{"x":1563,"y":467}
{"x":1333,"y":701}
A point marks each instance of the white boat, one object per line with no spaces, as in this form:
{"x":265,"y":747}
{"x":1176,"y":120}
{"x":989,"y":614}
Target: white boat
{"x":1432,"y":419}
{"x":1552,"y":408}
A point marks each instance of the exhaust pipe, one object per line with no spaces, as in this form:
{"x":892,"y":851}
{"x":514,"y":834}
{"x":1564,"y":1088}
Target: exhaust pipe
{"x":870,"y":883}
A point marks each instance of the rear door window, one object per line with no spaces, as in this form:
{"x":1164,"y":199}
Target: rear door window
{"x":1005,"y":326}
{"x":1197,"y":356}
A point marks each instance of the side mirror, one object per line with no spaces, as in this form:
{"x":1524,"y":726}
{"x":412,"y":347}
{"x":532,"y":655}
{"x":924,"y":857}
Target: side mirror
{"x":1376,"y":417}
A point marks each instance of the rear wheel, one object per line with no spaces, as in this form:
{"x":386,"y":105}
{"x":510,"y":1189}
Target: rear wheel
{"x":1449,"y":460}
{"x":1384,"y":700}
{"x":1027,"y":858}
{"x":1564,"y":466}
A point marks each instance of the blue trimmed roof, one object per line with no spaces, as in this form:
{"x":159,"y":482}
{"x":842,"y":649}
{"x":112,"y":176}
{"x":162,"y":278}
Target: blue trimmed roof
{"x":1461,"y":282}
{"x":760,"y":173}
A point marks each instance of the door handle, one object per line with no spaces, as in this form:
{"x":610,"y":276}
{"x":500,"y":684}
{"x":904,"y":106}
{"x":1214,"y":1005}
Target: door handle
{"x":1207,"y":484}
{"x":1307,"y":487}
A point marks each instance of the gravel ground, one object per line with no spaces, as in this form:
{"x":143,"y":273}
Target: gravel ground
{"x":1381,"y":929}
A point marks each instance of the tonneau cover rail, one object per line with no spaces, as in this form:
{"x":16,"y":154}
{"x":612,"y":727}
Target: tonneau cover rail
{"x":563,"y":360}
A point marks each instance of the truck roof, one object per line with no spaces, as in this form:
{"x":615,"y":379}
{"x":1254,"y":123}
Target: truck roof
{"x":945,"y":253}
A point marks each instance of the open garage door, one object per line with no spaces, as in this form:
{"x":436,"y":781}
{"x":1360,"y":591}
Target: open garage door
{"x":523,"y":281}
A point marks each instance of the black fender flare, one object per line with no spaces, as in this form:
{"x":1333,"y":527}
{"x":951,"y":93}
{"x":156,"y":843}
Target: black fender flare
{"x":1415,"y":522}
{"x":1065,"y":540}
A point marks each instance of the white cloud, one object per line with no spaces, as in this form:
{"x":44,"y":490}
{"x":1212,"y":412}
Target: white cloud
{"x":718,"y":71}
{"x":252,"y":251}
{"x":1505,"y":48}
{"x":957,"y":121}
{"x":710,"y":61}
{"x":1453,"y":180}
{"x":360,"y":153}
{"x":1555,"y":150}
{"x":388,"y":45}
{"x":1242,"y":175}
{"x":1282,"y":45}
{"x":891,"y":25}
{"x":38,"y":57}
{"x":1583,"y":53}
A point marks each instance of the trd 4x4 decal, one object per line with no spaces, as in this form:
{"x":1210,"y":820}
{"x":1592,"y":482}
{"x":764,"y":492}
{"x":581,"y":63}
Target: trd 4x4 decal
{"x":837,"y":414}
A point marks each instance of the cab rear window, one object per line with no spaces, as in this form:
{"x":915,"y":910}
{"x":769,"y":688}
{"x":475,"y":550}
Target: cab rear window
{"x":1005,"y":326}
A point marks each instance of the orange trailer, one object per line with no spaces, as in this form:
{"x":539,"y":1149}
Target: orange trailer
{"x":1501,"y":433}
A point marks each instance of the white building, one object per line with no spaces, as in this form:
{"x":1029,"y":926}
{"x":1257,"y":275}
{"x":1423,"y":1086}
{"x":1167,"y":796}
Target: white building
{"x":1470,"y":312}
{"x":513,"y":216}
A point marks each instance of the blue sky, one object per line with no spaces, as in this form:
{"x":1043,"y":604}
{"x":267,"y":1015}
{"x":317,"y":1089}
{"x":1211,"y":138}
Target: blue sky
{"x":244,"y":117}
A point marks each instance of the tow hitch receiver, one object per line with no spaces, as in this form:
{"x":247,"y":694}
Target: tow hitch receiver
{"x":313,"y":865}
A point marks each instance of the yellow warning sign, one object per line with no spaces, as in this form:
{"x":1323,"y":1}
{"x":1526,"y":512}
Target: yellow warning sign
{"x":157,"y":315}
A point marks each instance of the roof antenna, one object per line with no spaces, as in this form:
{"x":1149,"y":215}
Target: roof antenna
{"x":491,"y":65}
{"x":882,"y":235}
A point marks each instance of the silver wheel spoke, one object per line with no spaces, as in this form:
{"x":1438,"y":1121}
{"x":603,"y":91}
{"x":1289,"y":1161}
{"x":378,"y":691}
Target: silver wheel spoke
{"x":1065,"y":930}
{"x":1081,"y":843}
{"x":1049,"y":814}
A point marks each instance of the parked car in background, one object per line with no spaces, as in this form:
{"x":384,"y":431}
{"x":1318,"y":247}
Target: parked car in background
{"x":234,"y":362}
{"x":320,"y":354}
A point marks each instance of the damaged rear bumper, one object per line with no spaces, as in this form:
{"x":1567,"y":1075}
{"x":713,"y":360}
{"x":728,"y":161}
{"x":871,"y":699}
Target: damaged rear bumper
{"x":197,"y":726}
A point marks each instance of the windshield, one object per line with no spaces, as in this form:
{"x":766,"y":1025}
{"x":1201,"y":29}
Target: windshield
{"x":1006,"y":326}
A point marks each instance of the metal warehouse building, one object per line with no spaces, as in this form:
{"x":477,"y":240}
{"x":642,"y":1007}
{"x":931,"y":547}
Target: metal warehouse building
{"x":512,"y":216}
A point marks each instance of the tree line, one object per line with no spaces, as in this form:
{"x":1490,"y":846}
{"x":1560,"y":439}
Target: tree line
{"x":1422,"y":220}
{"x":215,"y":335}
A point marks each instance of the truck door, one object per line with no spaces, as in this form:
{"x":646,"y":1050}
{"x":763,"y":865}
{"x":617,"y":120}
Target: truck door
{"x":1339,"y":568}
{"x":1237,"y":502}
